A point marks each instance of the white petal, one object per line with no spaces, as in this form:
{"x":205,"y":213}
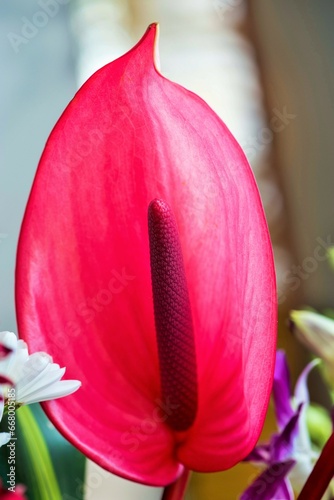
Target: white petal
{"x":50,"y":375}
{"x":12,"y":365}
{"x":316,"y":332}
{"x":33,"y":368}
{"x":57,"y":390}
{"x":21,"y":344}
{"x":8,"y":339}
{"x":4,"y":438}
{"x":36,"y":377}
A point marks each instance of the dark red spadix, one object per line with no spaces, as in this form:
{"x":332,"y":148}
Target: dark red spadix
{"x":173,"y":320}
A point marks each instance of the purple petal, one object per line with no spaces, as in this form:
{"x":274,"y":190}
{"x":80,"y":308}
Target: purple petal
{"x":283,"y":443}
{"x":260,"y":454}
{"x":301,"y":390}
{"x":281,"y":391}
{"x":267,"y":485}
{"x":284,"y":491}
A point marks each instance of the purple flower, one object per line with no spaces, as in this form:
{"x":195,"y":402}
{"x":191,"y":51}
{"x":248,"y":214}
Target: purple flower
{"x":288,"y":458}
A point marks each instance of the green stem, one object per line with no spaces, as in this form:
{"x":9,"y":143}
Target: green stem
{"x":39,"y":457}
{"x":176,"y":490}
{"x":323,"y":472}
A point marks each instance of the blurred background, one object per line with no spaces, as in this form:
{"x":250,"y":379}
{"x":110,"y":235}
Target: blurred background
{"x":266,"y":67}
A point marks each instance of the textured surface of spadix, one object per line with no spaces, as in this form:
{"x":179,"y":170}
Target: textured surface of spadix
{"x":173,"y":317}
{"x":83,"y":272}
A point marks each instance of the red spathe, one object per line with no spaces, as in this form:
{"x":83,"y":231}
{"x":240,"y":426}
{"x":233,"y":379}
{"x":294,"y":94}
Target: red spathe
{"x":83,"y":272}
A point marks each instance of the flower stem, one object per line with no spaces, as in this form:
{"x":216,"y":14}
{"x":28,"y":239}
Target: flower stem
{"x":321,"y":475}
{"x":176,"y":490}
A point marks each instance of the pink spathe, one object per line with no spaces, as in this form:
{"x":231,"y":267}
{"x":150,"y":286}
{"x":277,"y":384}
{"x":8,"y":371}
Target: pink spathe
{"x":130,"y":136}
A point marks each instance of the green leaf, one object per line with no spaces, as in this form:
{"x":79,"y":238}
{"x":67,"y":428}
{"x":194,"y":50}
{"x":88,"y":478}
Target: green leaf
{"x":40,"y":466}
{"x":319,"y":424}
{"x":46,"y":463}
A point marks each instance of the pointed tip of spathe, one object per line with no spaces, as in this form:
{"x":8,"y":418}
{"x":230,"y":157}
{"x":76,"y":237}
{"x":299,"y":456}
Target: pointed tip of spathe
{"x":156,"y":55}
{"x":154,"y":25}
{"x":151,"y":37}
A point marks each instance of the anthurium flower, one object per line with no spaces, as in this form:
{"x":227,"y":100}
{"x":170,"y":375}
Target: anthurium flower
{"x":35,"y":377}
{"x":170,"y":320}
{"x":289,"y":457}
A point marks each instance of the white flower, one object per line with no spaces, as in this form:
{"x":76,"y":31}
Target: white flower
{"x":35,"y":377}
{"x":316,"y":332}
